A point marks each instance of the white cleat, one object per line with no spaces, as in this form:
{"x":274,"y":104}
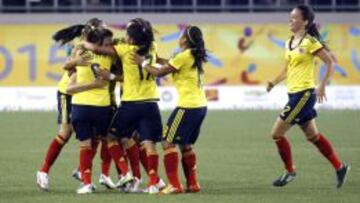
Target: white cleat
{"x":135,"y":186}
{"x":124,"y":180}
{"x":42,"y":180}
{"x":161,"y":184}
{"x":154,"y":189}
{"x":85,"y":189}
{"x":106,"y":181}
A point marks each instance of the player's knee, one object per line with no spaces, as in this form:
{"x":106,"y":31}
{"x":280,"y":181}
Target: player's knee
{"x":276,"y":136}
{"x":85,"y":143}
{"x":311,"y":137}
{"x":65,"y":132}
{"x":149,"y":146}
{"x":167,"y":145}
{"x":185,"y":148}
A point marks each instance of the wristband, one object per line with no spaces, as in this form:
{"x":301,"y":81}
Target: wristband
{"x":112,"y":76}
{"x":144,"y":63}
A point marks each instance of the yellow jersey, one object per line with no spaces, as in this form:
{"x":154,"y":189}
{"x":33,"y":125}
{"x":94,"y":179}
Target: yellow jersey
{"x":63,"y":83}
{"x":85,"y":75}
{"x":188,"y":81}
{"x":301,"y":64}
{"x":65,"y":79}
{"x":138,"y":84}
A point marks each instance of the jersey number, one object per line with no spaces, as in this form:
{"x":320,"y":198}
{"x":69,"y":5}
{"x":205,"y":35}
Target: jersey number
{"x":141,"y":71}
{"x":285,"y":110}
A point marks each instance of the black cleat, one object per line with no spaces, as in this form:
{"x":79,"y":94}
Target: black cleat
{"x":341,"y":175}
{"x":284,"y":179}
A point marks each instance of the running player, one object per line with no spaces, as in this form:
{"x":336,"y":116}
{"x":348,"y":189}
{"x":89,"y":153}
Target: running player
{"x":183,"y":126}
{"x":301,"y":50}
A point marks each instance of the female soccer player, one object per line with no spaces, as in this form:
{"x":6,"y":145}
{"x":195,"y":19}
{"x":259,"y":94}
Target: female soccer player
{"x":139,"y":110}
{"x":64,"y":105}
{"x":301,"y":50}
{"x":91,"y":113}
{"x":183,"y":126}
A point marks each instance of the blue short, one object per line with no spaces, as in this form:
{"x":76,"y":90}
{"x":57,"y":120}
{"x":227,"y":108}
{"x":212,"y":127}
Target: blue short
{"x":144,"y":117}
{"x":90,"y":121}
{"x":64,"y":108}
{"x":183,"y":126}
{"x":300,"y":107}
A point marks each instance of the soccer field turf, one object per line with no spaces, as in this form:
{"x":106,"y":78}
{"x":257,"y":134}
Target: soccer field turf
{"x":237,"y":161}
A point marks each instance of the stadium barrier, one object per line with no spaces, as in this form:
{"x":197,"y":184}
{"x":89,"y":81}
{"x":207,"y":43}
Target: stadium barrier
{"x":220,"y":97}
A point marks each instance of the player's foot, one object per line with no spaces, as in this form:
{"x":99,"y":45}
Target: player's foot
{"x":124,"y":180}
{"x":42,"y":180}
{"x":171,"y":190}
{"x":152,"y":189}
{"x":341,"y":175}
{"x":284,"y":179}
{"x":160,"y":185}
{"x":135,"y":186}
{"x":193,"y":188}
{"x":85,"y":189}
{"x":76,"y":175}
{"x":106,"y":181}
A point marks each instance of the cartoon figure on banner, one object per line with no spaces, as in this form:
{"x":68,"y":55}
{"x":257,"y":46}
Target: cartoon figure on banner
{"x":245,"y":42}
{"x":245,"y":75}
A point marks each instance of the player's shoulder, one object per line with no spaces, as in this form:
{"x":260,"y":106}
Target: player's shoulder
{"x":308,"y":39}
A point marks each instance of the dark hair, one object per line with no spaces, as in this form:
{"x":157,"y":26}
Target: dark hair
{"x":311,"y":28}
{"x":91,"y":31}
{"x":195,"y":42}
{"x":141,"y":32}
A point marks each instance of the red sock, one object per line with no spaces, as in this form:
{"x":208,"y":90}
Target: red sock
{"x":327,"y":150}
{"x":153,"y":164}
{"x":53,"y":152}
{"x":94,"y":145}
{"x":86,"y":154}
{"x":189,"y":166}
{"x":105,"y":158}
{"x":285,"y":153}
{"x":117,"y":155}
{"x":171,"y":162}
{"x":133,"y":155}
{"x":143,"y":157}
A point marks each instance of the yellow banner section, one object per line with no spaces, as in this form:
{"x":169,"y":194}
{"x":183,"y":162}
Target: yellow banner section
{"x":238,"y":54}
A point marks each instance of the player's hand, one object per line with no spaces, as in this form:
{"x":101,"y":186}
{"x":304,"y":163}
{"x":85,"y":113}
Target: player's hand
{"x":87,"y":46}
{"x":269,"y":86}
{"x":321,"y":94}
{"x":98,"y":83}
{"x":103,"y":74}
{"x":138,"y":59}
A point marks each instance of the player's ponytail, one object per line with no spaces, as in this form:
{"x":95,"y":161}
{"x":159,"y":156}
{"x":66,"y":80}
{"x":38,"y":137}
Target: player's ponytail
{"x":311,"y":28}
{"x":195,"y":42}
{"x":142,"y":34}
{"x":68,"y":34}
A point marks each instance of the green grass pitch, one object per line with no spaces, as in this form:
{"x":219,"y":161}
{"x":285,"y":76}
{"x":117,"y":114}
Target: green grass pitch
{"x":237,"y":161}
